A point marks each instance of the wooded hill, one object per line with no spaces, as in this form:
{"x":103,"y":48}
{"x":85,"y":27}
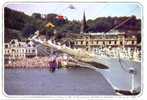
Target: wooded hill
{"x":19,"y":25}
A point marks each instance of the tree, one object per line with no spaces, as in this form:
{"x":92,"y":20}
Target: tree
{"x":36,"y":15}
{"x":28,"y":30}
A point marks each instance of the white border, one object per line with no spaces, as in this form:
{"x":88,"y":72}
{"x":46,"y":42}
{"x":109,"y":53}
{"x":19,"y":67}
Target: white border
{"x":64,"y":96}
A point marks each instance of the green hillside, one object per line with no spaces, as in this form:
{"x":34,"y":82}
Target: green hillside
{"x":19,"y":25}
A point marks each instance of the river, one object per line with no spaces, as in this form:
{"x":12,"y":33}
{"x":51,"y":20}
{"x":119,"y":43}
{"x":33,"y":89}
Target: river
{"x":74,"y":81}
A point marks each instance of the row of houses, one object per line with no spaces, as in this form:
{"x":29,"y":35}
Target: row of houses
{"x":17,"y":49}
{"x":89,"y":42}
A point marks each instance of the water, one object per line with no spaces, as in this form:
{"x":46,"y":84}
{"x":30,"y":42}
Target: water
{"x":75,"y":81}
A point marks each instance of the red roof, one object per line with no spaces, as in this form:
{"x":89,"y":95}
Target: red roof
{"x":60,"y":17}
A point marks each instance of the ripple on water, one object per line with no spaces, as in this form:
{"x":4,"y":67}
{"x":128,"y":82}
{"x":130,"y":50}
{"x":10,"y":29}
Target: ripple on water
{"x":77,"y":81}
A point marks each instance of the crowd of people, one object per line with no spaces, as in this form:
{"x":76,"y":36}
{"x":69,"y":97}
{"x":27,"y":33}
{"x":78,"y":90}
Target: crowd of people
{"x":124,"y":53}
{"x":52,"y":62}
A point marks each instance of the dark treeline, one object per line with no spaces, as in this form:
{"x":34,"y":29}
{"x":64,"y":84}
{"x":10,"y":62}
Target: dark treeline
{"x":21,"y":26}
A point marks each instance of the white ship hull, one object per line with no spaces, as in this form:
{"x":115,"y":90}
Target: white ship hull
{"x":123,"y":75}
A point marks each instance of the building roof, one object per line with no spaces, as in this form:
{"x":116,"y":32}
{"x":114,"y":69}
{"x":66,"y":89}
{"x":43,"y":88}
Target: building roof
{"x":103,"y":33}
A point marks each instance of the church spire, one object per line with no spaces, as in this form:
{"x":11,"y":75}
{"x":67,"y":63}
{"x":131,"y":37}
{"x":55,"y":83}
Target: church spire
{"x":83,"y":24}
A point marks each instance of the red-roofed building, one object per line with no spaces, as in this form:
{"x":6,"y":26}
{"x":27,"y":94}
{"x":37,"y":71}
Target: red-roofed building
{"x":60,"y":17}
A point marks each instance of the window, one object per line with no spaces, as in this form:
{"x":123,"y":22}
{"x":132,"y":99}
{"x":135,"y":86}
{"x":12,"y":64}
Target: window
{"x":19,"y":45}
{"x":132,"y":42}
{"x":81,"y":42}
{"x":13,"y":42}
{"x":33,"y":45}
{"x":33,"y":51}
{"x":109,"y":42}
{"x":6,"y":46}
{"x":86,"y":42}
{"x":121,"y":43}
{"x":13,"y":50}
{"x":97,"y":42}
{"x":29,"y":45}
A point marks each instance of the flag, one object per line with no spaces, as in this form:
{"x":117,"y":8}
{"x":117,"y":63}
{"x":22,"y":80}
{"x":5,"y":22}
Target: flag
{"x":50,"y":25}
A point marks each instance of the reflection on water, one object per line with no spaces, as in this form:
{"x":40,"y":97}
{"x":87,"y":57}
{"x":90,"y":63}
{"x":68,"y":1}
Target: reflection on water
{"x":77,"y":81}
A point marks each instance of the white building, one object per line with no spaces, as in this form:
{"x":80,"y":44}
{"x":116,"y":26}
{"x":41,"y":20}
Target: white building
{"x":17,"y":50}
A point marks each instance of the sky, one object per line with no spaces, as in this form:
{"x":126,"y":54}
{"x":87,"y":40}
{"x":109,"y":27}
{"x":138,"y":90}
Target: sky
{"x":92,"y":10}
